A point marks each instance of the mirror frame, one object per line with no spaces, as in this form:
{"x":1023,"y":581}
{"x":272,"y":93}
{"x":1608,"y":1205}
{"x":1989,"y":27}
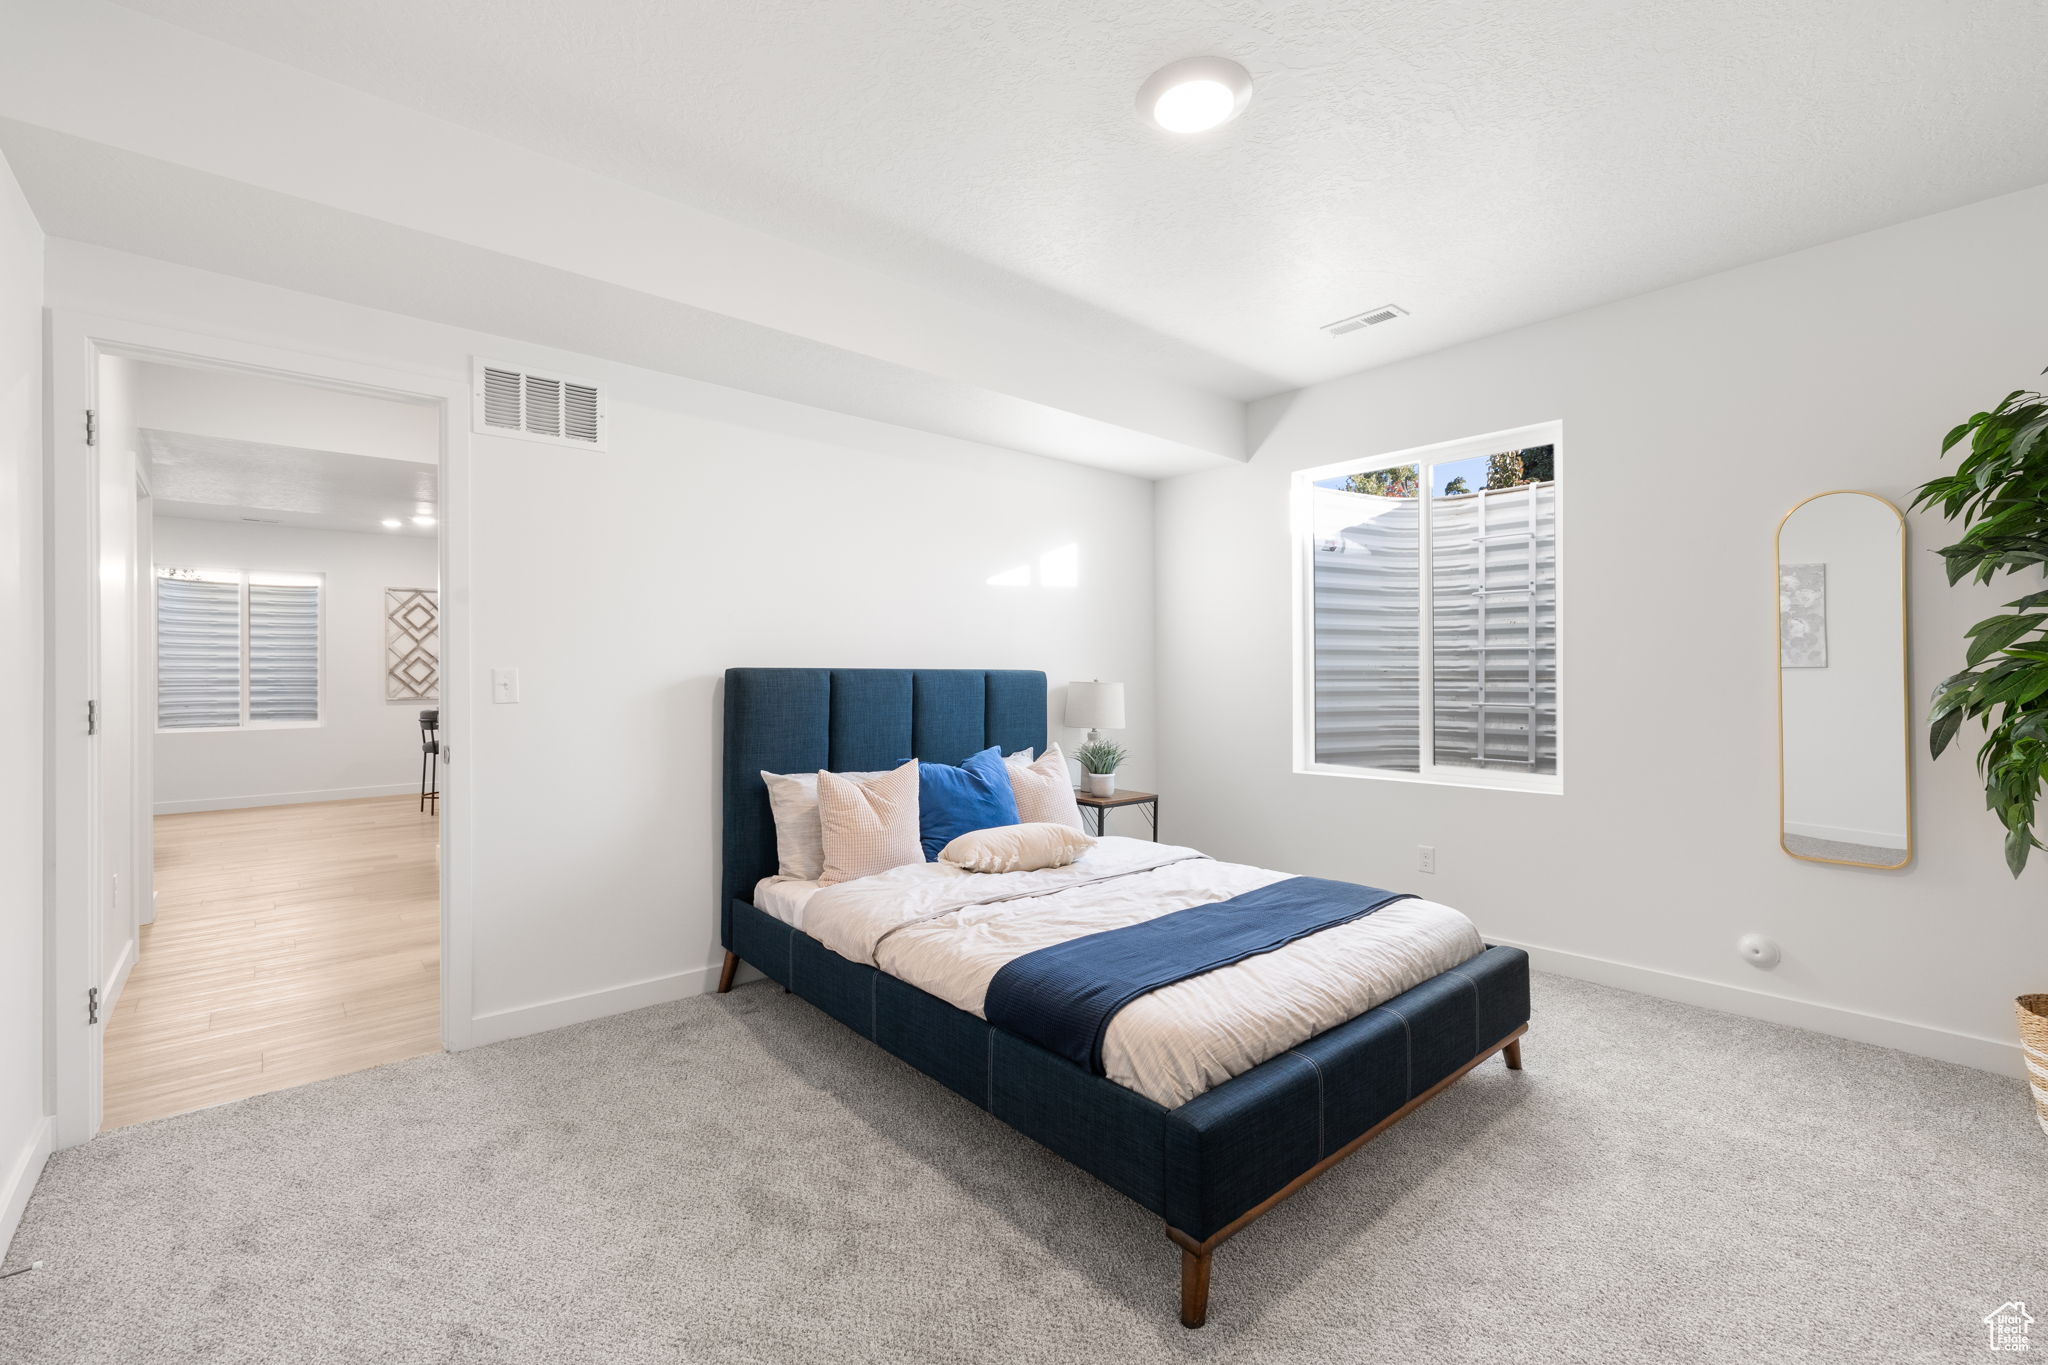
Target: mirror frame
{"x":1905,"y":677}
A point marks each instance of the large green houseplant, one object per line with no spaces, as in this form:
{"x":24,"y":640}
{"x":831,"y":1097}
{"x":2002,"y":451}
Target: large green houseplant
{"x":2000,"y":492}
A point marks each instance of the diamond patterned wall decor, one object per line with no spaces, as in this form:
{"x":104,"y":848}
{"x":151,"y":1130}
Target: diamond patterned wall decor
{"x":412,"y":644}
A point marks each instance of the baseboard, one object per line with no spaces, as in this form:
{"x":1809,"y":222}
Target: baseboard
{"x":522,"y":1020}
{"x":118,"y":979}
{"x":1922,"y":1040}
{"x":19,"y":1181}
{"x":283,"y":798}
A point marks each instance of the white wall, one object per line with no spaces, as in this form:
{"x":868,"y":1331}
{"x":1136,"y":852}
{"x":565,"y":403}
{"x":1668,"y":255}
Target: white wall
{"x":721,"y":529}
{"x":1694,"y":418}
{"x":1845,"y":765}
{"x":247,"y":407}
{"x":364,"y":745}
{"x":24,"y":1127}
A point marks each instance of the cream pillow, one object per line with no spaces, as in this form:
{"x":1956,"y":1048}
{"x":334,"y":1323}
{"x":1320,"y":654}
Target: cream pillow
{"x":1016,"y":848}
{"x":799,"y":841}
{"x":869,"y":825}
{"x":1044,"y":792}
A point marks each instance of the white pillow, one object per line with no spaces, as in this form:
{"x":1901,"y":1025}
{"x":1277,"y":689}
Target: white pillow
{"x":1016,"y":848}
{"x":869,"y":825}
{"x":799,"y":842}
{"x":1044,"y":792}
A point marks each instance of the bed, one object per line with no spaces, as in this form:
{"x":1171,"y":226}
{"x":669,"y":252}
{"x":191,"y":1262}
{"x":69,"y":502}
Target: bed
{"x":1208,"y":1166}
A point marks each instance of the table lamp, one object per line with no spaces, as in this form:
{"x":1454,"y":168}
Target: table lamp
{"x":1095,"y":706}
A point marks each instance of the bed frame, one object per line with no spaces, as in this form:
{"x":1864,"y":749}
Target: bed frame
{"x":1210,"y":1166}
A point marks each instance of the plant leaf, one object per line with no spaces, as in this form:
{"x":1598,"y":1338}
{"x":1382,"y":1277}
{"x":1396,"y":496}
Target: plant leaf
{"x":2028,"y":436}
{"x":1988,"y":637}
{"x":1942,"y":731}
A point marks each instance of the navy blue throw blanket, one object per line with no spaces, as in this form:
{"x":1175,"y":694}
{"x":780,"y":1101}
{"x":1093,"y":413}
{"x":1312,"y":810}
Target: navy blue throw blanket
{"x":1063,"y":997}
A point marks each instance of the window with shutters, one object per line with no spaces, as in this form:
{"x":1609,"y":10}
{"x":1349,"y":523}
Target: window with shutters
{"x":1428,"y":621}
{"x":236,"y":650}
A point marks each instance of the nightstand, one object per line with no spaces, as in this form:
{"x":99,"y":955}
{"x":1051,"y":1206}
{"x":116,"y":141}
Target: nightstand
{"x":1103,"y":805}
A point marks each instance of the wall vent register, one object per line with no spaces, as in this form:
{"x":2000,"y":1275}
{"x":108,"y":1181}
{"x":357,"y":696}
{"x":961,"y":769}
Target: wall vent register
{"x":533,"y":405}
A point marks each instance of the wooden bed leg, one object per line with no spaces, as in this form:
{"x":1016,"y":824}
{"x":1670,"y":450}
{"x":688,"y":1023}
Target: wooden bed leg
{"x":1512,"y":1054}
{"x":732,"y":964}
{"x":1194,"y":1287}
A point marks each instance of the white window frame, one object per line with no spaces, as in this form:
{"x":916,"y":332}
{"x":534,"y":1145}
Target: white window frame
{"x":242,"y":578}
{"x":1301,"y":496}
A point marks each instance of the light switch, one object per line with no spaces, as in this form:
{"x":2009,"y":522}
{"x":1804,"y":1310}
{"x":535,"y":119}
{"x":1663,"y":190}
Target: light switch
{"x":504,"y":685}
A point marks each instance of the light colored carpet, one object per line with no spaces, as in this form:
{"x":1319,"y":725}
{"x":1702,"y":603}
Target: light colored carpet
{"x":740,"y":1179}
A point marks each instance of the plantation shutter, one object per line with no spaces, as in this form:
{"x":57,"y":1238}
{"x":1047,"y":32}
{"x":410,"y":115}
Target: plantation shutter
{"x":198,"y":653}
{"x":1368,"y":581}
{"x":1494,"y":628}
{"x":284,"y":651}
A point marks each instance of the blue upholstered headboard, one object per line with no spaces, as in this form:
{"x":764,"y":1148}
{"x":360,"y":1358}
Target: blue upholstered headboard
{"x":793,"y":720}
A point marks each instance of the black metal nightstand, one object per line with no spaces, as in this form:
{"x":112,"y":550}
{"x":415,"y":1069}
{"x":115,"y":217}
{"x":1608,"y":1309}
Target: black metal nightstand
{"x":1103,"y":805}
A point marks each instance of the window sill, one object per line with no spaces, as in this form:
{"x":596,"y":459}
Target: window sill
{"x":1485,"y":779}
{"x":240,"y":729}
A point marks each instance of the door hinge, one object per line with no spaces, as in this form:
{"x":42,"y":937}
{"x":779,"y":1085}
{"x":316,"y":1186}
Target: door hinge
{"x":92,"y":1005}
{"x":442,"y":751}
{"x":92,"y":717}
{"x":92,"y":427}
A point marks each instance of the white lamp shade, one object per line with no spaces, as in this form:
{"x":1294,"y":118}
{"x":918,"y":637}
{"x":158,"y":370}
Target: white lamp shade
{"x":1095,"y":705}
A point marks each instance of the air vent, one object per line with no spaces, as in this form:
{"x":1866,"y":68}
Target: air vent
{"x":1371,"y":317}
{"x":536,"y":406}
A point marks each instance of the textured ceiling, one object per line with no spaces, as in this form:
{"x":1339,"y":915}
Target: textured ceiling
{"x":218,"y":479}
{"x":1482,"y":164}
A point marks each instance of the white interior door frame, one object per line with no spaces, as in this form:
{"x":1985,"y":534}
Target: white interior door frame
{"x":77,"y":341}
{"x":142,"y":900}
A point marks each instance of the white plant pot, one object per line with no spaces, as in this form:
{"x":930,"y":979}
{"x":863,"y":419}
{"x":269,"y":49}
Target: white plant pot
{"x":1100,"y":784}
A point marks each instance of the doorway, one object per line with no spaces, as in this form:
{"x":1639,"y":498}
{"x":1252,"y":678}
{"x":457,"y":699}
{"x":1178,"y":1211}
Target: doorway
{"x":263,"y":888}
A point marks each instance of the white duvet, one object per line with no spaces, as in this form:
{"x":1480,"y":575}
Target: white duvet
{"x":948,"y":932}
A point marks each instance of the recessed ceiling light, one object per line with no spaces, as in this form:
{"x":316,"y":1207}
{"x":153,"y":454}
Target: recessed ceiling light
{"x":392,"y":523}
{"x":1196,"y":94}
{"x":423,"y":521}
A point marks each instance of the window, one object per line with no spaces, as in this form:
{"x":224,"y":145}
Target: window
{"x":1429,"y":611}
{"x":236,"y":650}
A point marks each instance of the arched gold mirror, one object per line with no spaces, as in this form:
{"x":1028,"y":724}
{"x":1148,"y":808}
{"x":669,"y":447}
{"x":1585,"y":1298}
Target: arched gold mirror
{"x":1845,"y":788}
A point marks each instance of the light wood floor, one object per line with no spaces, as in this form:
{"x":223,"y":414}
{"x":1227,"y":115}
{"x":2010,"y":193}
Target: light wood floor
{"x":291,"y":943}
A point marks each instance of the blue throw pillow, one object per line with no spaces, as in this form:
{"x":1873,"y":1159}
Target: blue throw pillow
{"x":955,"y":801}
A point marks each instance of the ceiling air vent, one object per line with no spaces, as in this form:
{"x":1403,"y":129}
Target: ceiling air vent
{"x":1371,"y":317}
{"x":537,"y":406}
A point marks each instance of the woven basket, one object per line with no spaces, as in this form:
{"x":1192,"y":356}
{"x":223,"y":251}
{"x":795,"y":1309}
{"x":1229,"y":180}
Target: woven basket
{"x":2033,"y":1011}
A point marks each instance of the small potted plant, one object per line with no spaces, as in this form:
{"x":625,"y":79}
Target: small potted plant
{"x":1099,"y":761}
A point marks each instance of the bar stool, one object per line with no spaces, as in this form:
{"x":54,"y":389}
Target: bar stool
{"x":430,"y":759}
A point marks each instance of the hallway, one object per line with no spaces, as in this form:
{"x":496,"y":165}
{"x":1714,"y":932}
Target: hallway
{"x":292,"y":943}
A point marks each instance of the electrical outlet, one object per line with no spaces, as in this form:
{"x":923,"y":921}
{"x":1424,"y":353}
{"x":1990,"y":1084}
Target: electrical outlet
{"x":1426,"y":857}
